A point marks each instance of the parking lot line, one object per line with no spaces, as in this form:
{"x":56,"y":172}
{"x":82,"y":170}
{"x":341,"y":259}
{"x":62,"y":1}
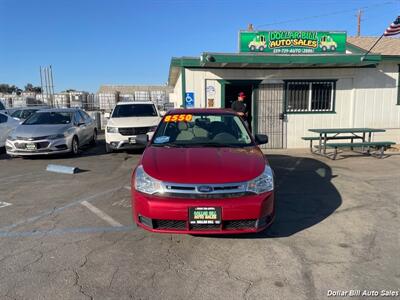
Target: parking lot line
{"x":56,"y":210}
{"x":101,"y":214}
{"x":4,"y":204}
{"x":4,"y":234}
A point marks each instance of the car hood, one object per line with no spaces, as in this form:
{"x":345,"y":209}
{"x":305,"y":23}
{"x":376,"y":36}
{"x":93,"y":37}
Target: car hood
{"x":134,"y":122}
{"x":39,"y":130}
{"x":203,"y":165}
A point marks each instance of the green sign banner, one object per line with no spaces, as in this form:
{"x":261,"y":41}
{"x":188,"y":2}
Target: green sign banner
{"x":293,"y":42}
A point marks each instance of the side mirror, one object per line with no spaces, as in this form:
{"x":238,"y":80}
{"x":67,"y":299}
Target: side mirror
{"x":261,"y":139}
{"x":162,"y":113}
{"x":107,"y":115}
{"x":142,"y":139}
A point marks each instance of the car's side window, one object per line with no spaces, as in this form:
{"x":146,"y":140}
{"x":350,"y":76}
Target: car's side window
{"x":3,"y":118}
{"x":77,"y":118}
{"x":85,"y":116}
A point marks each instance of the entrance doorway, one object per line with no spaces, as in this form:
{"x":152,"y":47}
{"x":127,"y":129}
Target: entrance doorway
{"x":269,"y":114}
{"x":232,"y":90}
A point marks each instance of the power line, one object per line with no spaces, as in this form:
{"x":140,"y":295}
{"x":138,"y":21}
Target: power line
{"x":326,"y":15}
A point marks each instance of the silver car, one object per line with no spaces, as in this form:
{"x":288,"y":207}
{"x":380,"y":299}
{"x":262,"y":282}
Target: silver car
{"x":52,"y":131}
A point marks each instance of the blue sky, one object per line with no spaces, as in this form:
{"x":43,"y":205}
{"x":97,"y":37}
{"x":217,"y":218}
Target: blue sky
{"x":94,"y":42}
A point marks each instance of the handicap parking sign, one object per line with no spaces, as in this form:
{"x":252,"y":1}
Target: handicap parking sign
{"x":189,"y":99}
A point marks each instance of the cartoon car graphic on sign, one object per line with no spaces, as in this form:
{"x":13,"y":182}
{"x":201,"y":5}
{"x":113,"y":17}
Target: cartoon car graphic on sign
{"x":258,"y":43}
{"x":327,"y":43}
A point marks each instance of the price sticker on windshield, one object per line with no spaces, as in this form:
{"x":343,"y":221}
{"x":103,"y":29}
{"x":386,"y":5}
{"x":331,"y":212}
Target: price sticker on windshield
{"x":178,"y":118}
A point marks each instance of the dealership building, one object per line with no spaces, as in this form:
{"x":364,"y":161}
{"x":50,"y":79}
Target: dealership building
{"x":298,"y":80}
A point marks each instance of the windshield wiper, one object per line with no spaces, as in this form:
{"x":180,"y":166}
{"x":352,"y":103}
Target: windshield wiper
{"x":217,"y":145}
{"x":171,"y":145}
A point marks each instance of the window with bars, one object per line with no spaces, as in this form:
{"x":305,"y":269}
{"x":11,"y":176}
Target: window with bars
{"x":310,"y":96}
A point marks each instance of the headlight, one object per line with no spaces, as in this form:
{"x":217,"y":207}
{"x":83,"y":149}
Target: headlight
{"x":56,"y":136}
{"x":145,"y":183}
{"x":263,"y":183}
{"x":152,"y":129}
{"x":112,"y":129}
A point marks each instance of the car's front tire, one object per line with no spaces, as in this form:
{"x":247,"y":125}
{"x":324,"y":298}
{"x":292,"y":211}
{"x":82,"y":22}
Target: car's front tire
{"x":93,"y":142}
{"x":75,"y":146}
{"x":108,"y":148}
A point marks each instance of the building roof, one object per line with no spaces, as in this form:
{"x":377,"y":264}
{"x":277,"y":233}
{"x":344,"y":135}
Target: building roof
{"x":271,"y":61}
{"x":386,"y":46}
{"x":131,"y":89}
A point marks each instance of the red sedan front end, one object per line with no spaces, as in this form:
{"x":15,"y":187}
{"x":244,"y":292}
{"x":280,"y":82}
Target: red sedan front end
{"x":203,"y":188}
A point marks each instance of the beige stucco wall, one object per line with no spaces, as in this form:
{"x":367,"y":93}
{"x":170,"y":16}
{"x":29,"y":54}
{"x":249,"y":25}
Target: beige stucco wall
{"x":365,"y":97}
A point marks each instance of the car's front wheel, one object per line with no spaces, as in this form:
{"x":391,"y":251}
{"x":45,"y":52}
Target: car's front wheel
{"x":75,"y":146}
{"x":108,"y":148}
{"x":93,"y":142}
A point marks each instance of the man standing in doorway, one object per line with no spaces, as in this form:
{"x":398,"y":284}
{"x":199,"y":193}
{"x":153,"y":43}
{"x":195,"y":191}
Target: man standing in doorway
{"x":240,"y":107}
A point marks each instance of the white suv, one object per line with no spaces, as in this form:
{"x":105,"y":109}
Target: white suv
{"x":129,"y":120}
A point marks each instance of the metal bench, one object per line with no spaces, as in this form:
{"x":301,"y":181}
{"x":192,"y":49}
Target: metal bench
{"x":382,"y":146}
{"x":316,"y":138}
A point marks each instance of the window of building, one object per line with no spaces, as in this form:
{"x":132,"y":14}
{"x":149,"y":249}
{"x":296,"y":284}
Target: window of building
{"x":310,"y":96}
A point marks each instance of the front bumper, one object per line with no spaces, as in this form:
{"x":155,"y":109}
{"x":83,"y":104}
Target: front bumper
{"x":117,"y":141}
{"x":244,"y":214}
{"x":43,"y":147}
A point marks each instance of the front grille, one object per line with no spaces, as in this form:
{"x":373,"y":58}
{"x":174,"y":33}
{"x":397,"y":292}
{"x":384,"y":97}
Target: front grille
{"x":169,"y":224}
{"x":42,"y":145}
{"x":182,"y":225}
{"x":205,"y":191}
{"x":239,"y":224}
{"x":204,"y":196}
{"x":38,"y":145}
{"x":205,"y":226}
{"x":133,"y":131}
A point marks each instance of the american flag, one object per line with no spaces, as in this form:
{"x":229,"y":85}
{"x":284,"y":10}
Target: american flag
{"x":394,"y":28}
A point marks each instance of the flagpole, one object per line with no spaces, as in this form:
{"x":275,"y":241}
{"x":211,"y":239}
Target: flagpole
{"x":363,"y":58}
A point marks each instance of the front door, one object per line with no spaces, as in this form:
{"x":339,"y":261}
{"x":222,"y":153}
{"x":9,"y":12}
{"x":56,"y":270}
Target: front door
{"x":269,"y":117}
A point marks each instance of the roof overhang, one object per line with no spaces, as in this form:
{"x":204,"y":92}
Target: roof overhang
{"x":270,"y":61}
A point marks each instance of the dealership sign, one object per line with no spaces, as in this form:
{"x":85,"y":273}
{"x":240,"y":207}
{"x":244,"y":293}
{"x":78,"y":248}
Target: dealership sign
{"x":292,"y":42}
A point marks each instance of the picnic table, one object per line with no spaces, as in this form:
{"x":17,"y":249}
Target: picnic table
{"x":363,"y":134}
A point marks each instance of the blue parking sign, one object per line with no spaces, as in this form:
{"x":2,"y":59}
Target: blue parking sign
{"x":189,"y":99}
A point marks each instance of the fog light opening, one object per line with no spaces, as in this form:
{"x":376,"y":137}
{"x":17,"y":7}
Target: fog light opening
{"x":146,"y":221}
{"x":263,"y":221}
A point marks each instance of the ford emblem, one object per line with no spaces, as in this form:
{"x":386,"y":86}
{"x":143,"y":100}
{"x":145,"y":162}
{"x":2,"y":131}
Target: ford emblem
{"x":205,"y":189}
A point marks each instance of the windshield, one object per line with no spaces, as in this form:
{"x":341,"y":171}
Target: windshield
{"x":134,"y":110}
{"x":202,"y":130}
{"x":23,"y":114}
{"x":49,"y":118}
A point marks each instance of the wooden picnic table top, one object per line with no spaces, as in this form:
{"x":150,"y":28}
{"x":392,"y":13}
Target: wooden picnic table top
{"x":346,"y":130}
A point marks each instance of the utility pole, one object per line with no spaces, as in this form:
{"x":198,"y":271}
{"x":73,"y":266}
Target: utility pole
{"x":359,"y":14}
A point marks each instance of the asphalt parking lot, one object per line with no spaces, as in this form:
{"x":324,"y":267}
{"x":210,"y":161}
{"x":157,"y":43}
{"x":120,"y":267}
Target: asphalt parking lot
{"x":72,"y":236}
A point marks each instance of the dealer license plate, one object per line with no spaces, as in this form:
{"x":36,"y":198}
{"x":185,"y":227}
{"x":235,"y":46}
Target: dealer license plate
{"x":132,"y":140}
{"x":205,"y":215}
{"x":31,"y":147}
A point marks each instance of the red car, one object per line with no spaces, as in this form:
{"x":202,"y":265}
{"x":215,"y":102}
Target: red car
{"x":203,"y":173}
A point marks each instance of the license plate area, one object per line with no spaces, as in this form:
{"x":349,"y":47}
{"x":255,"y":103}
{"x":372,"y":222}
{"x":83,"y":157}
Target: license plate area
{"x":132,"y":140}
{"x":30,"y":147}
{"x":205,"y":215}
